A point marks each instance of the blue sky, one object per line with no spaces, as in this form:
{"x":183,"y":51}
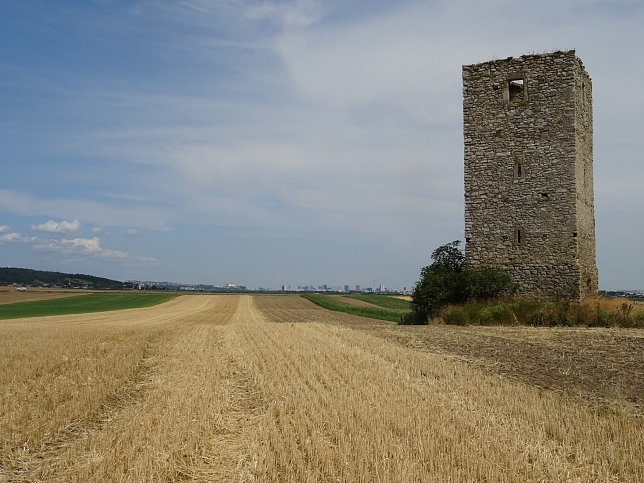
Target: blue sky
{"x":281,"y":142}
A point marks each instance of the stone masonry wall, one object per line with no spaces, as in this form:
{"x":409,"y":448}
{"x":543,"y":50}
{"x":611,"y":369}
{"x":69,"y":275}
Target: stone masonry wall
{"x":584,"y":180}
{"x":528,"y":172}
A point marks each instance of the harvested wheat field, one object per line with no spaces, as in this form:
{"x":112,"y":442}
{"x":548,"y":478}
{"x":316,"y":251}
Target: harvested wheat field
{"x":9,"y":295}
{"x":274,"y":388}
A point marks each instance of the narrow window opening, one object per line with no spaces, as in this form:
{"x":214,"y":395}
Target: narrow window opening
{"x":518,"y":169}
{"x":583,"y":95}
{"x":516,"y":91}
{"x":519,"y":235}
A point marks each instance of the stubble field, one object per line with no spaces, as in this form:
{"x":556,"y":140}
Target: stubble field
{"x":9,"y":295}
{"x":274,"y":388}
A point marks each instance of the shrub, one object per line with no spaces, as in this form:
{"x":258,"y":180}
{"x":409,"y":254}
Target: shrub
{"x":580,"y":314}
{"x":543,"y":313}
{"x":469,"y":295}
{"x":455,"y":315}
{"x":552,"y":314}
{"x":624,"y":312}
{"x":562,"y":318}
{"x":499,"y":313}
{"x":413,"y":318}
{"x":606,"y":318}
{"x":485,"y":283}
{"x":639,"y":319}
{"x":447,"y":281}
{"x":523,"y":310}
{"x":440,"y":283}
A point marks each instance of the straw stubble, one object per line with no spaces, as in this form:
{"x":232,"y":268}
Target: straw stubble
{"x":207,"y":388}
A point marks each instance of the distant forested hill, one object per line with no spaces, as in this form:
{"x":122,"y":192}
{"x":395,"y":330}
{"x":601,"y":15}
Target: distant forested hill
{"x":27,"y":276}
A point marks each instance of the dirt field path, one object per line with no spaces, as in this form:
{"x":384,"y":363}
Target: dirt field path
{"x":254,"y":388}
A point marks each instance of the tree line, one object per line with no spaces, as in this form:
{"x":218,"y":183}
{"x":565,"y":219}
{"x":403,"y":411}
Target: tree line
{"x":27,"y":276}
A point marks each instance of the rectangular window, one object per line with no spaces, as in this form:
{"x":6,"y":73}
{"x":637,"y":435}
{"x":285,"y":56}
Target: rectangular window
{"x":514,"y":91}
{"x":583,"y":94}
{"x":519,"y":235}
{"x":519,"y":171}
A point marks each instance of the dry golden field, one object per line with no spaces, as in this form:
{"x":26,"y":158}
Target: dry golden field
{"x":9,"y":295}
{"x":274,"y":388}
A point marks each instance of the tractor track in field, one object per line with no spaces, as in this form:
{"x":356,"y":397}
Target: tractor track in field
{"x":34,"y":464}
{"x":604,"y":366}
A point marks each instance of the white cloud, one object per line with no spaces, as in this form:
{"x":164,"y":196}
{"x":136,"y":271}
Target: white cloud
{"x":89,"y":247}
{"x":11,"y":237}
{"x":14,"y":237}
{"x":132,"y":231}
{"x":4,"y":228}
{"x":52,"y":226}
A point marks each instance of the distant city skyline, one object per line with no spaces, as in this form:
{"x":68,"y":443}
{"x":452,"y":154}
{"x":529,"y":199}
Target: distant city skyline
{"x":283,"y":287}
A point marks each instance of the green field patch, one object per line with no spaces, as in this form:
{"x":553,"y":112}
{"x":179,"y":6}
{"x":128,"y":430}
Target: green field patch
{"x":93,"y":302}
{"x":383,"y":301}
{"x":375,"y":312}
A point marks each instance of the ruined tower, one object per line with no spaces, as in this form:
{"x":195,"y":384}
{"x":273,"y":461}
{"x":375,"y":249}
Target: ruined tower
{"x":528,"y":129}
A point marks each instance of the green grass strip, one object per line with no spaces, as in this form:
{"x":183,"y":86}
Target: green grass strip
{"x":80,"y":304}
{"x":383,"y":301}
{"x":332,"y":303}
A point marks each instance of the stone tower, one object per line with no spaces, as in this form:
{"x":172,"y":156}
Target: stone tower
{"x":528,"y":129}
